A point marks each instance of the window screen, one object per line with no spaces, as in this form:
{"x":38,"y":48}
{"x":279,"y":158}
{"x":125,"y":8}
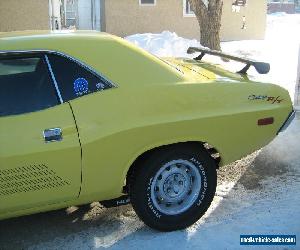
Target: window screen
{"x":25,"y":86}
{"x":73,"y":79}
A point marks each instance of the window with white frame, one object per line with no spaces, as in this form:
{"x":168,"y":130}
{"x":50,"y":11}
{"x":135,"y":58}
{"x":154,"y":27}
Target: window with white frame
{"x":147,"y":2}
{"x":187,"y":9}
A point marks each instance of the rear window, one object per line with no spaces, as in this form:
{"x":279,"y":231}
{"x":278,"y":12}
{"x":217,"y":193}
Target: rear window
{"x":73,"y":79}
{"x":11,"y":67}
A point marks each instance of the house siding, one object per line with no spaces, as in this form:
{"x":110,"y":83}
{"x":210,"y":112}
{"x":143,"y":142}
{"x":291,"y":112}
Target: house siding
{"x":24,"y":15}
{"x":297,"y":89}
{"x":127,"y":17}
{"x":256,"y":20}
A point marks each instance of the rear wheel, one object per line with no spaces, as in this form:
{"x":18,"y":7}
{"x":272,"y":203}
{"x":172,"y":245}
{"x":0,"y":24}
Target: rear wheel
{"x":174,"y":187}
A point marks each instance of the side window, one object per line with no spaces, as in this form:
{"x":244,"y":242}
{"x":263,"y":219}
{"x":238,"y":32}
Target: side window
{"x":25,"y":85}
{"x":73,"y":79}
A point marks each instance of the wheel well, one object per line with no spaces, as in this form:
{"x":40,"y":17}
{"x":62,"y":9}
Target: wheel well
{"x":210,"y":149}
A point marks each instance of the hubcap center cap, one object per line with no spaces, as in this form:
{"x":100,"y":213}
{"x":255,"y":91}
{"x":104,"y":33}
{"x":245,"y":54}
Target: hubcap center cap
{"x":174,"y":185}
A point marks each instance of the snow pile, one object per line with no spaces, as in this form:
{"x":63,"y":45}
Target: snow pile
{"x":164,"y":44}
{"x":280,"y":49}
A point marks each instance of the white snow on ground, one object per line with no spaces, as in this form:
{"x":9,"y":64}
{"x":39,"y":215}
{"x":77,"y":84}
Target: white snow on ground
{"x":256,"y":195}
{"x":280,"y":49}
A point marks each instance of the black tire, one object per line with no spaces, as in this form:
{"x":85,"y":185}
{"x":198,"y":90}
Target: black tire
{"x":140,"y":186}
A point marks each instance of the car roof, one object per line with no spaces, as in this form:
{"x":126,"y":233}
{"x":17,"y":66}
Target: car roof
{"x":119,"y":60}
{"x":35,"y":34}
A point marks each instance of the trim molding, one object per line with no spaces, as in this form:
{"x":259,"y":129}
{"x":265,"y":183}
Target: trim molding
{"x":53,"y":79}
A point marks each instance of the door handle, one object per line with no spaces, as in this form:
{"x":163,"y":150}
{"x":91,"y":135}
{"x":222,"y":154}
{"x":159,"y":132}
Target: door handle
{"x":52,"y":134}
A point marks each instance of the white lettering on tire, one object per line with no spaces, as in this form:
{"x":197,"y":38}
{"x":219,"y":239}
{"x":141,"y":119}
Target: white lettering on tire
{"x":150,"y":204}
{"x":204,"y":189}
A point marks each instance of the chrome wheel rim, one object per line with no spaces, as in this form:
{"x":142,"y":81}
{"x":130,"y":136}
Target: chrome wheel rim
{"x":175,"y":187}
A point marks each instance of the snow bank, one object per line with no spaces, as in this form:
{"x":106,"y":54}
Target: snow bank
{"x":164,"y":44}
{"x":279,"y":48}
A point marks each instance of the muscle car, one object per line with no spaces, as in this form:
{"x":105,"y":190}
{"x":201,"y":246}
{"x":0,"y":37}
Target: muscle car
{"x":87,"y":116}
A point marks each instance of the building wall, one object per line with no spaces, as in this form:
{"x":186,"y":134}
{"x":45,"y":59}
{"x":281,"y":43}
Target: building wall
{"x":127,"y":17}
{"x":297,"y":90}
{"x":256,"y":19}
{"x":24,"y":15}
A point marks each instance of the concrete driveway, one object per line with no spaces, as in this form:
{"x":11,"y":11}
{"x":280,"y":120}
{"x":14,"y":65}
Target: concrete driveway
{"x":259,"y":194}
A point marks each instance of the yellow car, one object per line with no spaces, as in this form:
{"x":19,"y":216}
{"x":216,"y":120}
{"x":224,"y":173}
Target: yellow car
{"x":87,"y":116}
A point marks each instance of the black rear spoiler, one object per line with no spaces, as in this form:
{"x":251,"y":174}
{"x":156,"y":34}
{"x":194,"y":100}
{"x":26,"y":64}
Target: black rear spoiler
{"x":261,"y":67}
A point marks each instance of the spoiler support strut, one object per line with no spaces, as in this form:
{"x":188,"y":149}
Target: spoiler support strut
{"x":261,"y":67}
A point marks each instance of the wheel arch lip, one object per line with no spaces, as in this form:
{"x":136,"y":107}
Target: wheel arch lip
{"x":156,"y":146}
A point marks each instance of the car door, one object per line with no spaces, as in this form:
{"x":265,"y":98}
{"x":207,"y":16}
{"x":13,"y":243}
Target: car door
{"x":40,"y":154}
{"x":80,"y":83}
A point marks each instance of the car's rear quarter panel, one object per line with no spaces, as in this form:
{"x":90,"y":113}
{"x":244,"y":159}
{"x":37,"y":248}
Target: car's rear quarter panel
{"x":119,"y":124}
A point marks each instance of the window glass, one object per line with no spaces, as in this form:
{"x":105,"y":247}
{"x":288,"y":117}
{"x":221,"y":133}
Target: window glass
{"x":187,"y":8}
{"x":73,"y":79}
{"x":239,"y":2}
{"x":25,"y":86}
{"x":10,"y":67}
{"x":147,"y":2}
